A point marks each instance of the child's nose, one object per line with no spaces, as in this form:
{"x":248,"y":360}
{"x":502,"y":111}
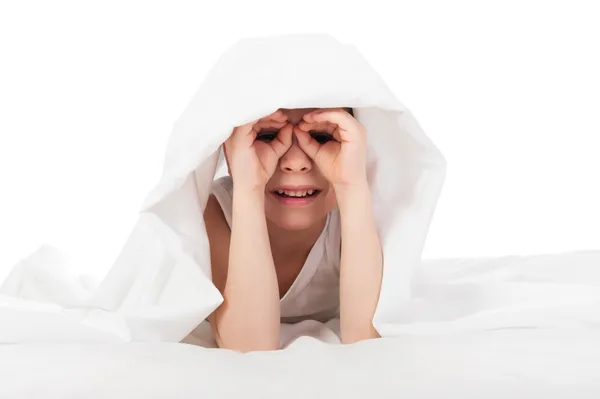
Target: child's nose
{"x":295,"y":160}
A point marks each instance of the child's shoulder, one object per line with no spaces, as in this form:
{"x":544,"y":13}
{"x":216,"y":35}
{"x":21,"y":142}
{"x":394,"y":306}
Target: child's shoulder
{"x":221,"y":196}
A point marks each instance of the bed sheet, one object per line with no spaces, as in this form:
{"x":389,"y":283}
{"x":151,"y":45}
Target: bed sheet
{"x":493,"y":364}
{"x":512,"y":326}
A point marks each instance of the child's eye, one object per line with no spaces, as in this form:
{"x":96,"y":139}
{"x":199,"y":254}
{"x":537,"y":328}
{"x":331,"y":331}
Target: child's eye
{"x":321,"y":137}
{"x":266,"y":135}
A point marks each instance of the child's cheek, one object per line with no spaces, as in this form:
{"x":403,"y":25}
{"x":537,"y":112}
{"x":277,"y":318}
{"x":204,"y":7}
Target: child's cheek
{"x":330,"y":199}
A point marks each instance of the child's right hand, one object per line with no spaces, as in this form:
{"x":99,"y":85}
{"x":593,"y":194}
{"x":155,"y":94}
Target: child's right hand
{"x":253,"y":150}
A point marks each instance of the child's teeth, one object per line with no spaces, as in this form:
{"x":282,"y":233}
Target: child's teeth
{"x":298,"y":194}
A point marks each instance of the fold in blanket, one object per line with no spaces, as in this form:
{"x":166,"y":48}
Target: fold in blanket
{"x":160,"y":288}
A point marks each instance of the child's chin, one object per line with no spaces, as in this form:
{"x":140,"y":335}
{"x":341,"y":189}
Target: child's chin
{"x":294,"y":222}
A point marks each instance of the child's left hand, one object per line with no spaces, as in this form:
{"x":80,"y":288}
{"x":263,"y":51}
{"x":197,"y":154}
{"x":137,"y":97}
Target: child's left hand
{"x":336,"y":142}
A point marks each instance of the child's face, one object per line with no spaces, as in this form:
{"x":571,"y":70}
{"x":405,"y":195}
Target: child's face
{"x":297,"y":195}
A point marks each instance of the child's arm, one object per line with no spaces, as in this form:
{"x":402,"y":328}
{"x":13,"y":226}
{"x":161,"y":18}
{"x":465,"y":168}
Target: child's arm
{"x":361,"y":264}
{"x":342,"y":160}
{"x":241,"y":260}
{"x":243,"y":271}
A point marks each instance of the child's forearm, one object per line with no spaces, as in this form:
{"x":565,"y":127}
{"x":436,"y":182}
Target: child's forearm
{"x":361,"y":264}
{"x":249,"y":318}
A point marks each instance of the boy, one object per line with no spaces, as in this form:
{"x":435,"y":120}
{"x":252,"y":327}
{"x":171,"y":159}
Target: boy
{"x":291,"y":230}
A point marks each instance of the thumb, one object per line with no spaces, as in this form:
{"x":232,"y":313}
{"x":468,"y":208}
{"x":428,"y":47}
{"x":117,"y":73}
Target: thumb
{"x":283,"y":141}
{"x":306,"y":143}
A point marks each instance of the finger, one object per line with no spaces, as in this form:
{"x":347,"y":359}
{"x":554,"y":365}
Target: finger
{"x":242,"y":135}
{"x":306,"y":143}
{"x":321,"y":127}
{"x":283,"y":141}
{"x":312,"y":125}
{"x":328,"y":115}
{"x":278,"y":116}
{"x":277,"y":119}
{"x":324,"y":127}
{"x":268,"y":124}
{"x":345,"y":122}
{"x":264,"y":152}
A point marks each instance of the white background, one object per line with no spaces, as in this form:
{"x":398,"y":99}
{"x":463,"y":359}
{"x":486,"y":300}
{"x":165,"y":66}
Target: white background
{"x":509,"y":92}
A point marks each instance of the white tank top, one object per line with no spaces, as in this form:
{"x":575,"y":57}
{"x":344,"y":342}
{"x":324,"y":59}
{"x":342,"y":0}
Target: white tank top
{"x":315,"y":292}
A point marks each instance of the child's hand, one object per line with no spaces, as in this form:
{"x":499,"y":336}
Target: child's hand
{"x":337,"y":144}
{"x":253,"y":150}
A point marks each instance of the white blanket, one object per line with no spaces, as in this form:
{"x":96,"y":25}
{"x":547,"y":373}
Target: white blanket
{"x":549,"y":347}
{"x":521,"y":364}
{"x":159,"y":288}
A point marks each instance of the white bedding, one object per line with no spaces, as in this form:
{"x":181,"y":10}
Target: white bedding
{"x":495,"y":327}
{"x":537,"y":332}
{"x":498,"y":364}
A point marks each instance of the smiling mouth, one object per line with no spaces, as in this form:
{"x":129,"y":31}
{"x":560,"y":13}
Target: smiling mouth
{"x":296,"y":193}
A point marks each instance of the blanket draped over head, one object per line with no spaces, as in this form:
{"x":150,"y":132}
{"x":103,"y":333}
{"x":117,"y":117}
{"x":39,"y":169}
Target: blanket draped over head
{"x":160,"y":287}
